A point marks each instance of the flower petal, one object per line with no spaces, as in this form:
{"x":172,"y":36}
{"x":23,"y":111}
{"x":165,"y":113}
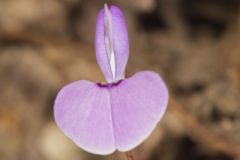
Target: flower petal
{"x":101,"y":49}
{"x":120,"y":41}
{"x":111,"y":42}
{"x":103,"y":118}
{"x":138,"y":103}
{"x":82,"y":111}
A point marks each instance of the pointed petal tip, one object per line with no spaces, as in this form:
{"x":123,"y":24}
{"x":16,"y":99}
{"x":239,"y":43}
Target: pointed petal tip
{"x":105,"y":6}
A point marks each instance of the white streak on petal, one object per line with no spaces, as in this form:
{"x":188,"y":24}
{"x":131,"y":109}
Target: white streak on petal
{"x":109,"y":38}
{"x":111,"y":42}
{"x":101,"y":48}
{"x":120,"y":41}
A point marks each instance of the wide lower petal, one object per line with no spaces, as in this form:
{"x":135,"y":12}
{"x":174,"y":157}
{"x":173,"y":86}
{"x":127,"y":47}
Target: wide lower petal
{"x":82,"y":111}
{"x":103,"y":118}
{"x":138,"y":103}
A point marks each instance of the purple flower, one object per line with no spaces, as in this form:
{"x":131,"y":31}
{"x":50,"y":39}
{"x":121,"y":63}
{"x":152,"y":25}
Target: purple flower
{"x":119,"y":115}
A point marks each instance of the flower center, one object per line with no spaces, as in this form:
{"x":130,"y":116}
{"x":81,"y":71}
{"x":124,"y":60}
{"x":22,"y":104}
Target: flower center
{"x":109,"y":85}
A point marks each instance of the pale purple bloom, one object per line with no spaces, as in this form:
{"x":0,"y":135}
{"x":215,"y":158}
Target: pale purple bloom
{"x":118,"y":115}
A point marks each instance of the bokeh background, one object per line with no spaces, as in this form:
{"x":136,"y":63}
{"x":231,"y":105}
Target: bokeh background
{"x":194,"y":45}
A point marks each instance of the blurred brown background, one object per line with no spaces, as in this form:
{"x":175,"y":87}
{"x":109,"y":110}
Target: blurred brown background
{"x":193,"y":44}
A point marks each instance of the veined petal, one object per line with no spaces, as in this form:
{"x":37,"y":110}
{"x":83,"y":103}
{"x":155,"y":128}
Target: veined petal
{"x":103,"y":58}
{"x":103,"y":118}
{"x":120,"y":41}
{"x":138,"y":104}
{"x":111,"y":42}
{"x":82,"y":111}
